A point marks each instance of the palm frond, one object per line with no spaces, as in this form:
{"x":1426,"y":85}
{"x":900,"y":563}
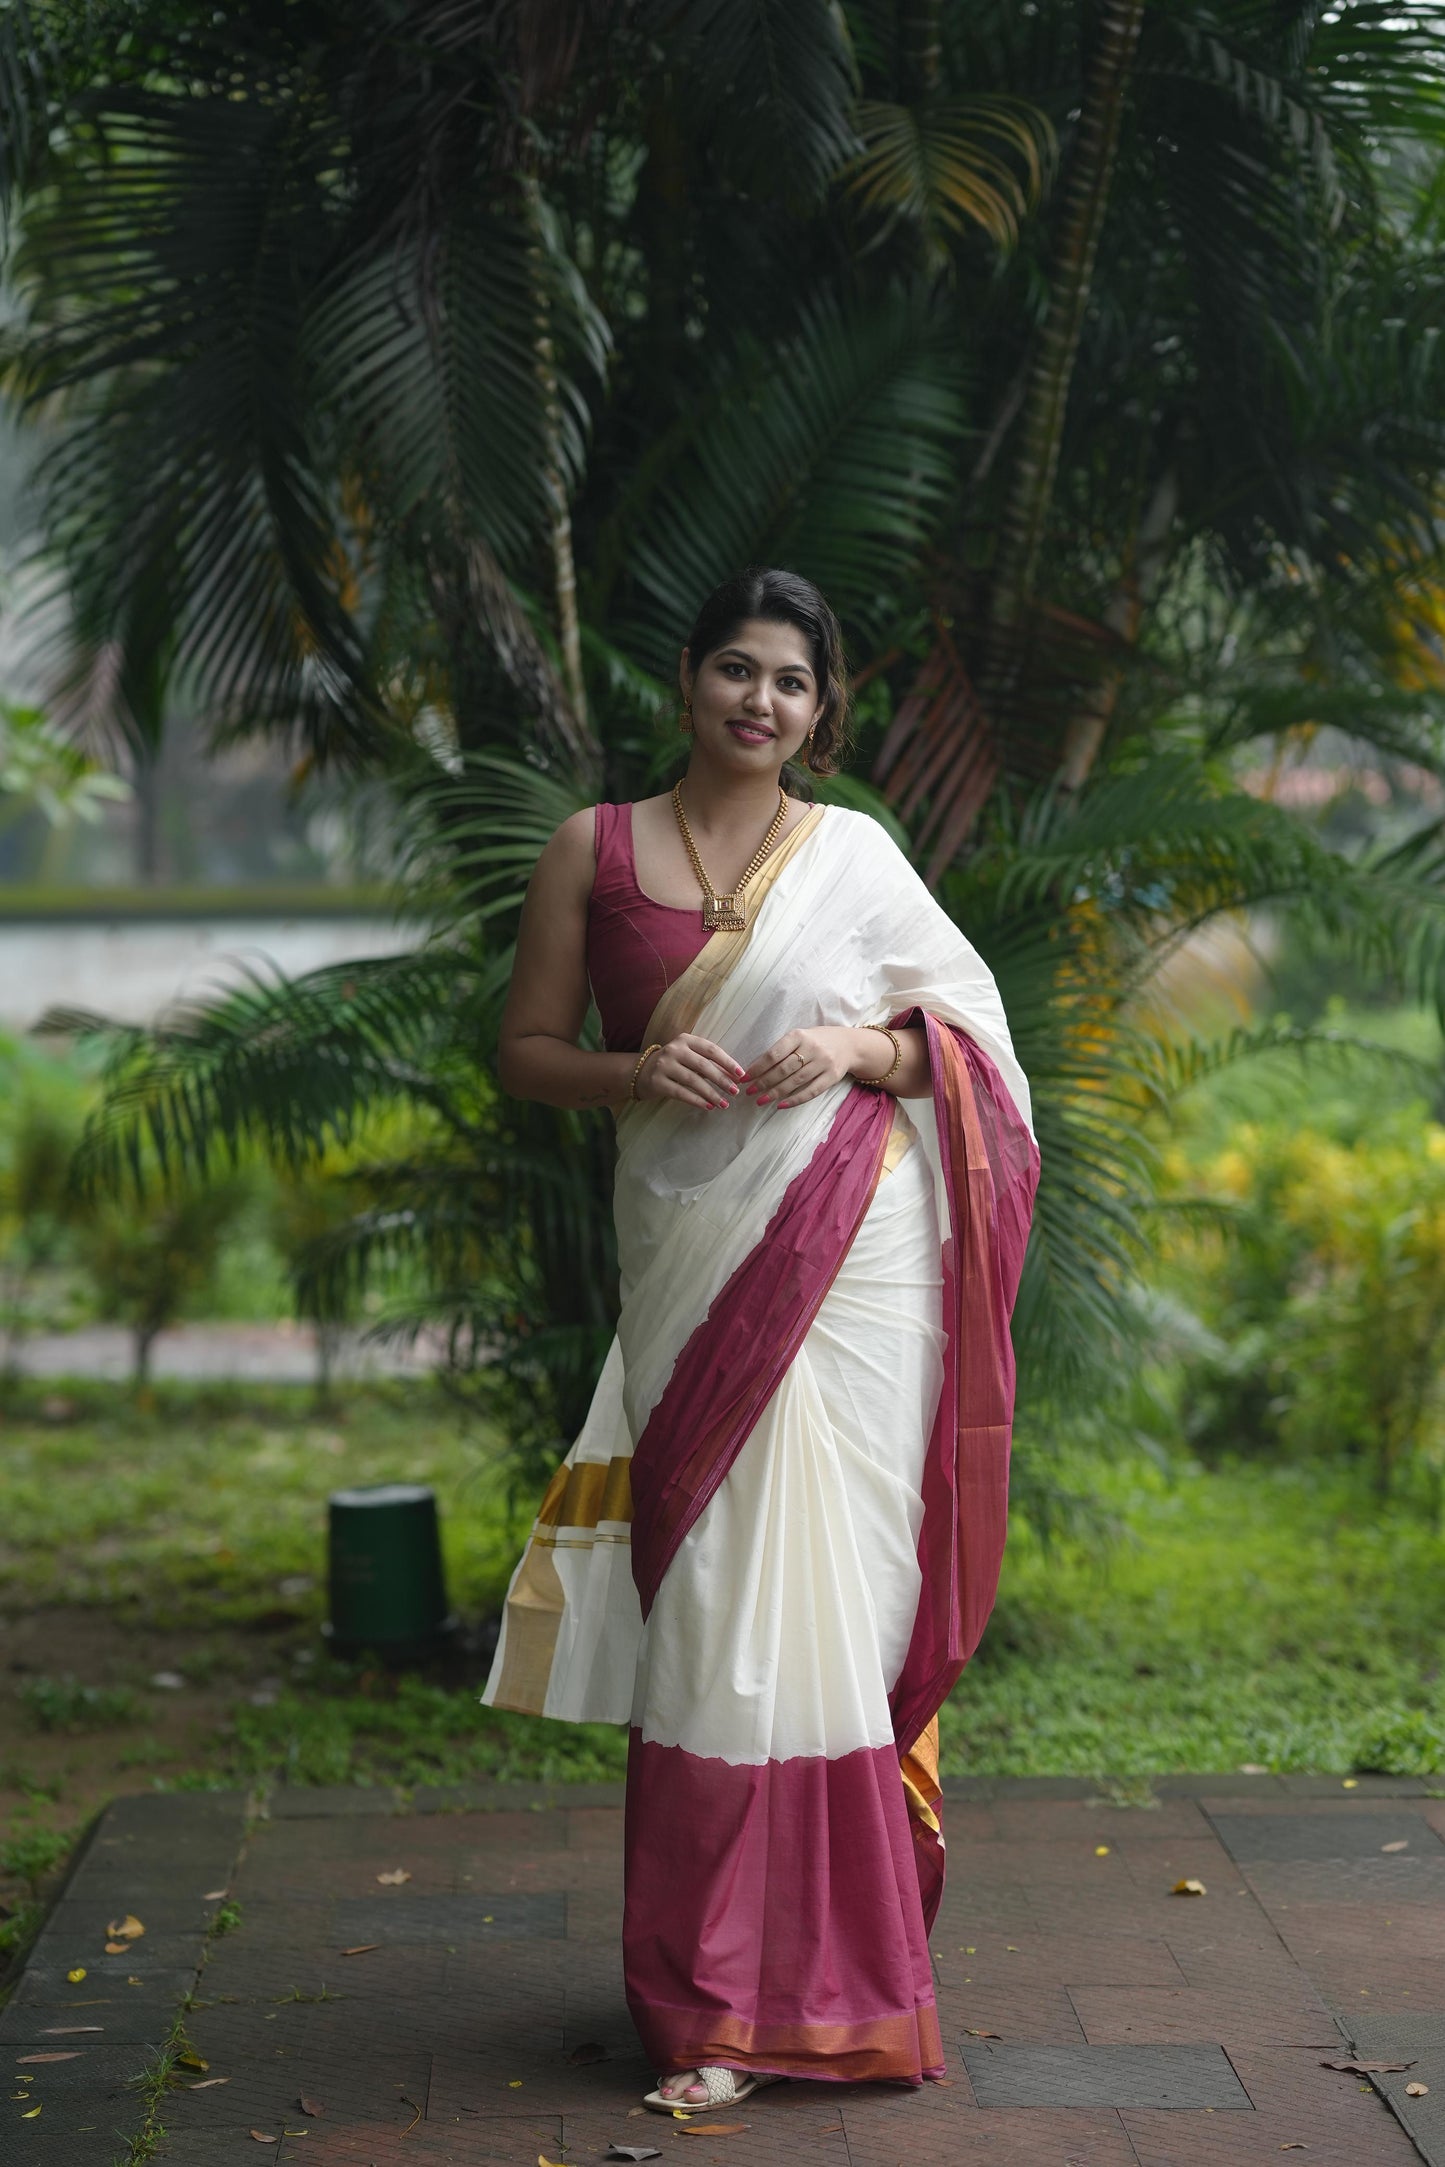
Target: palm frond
{"x":769,"y":83}
{"x":952,"y":164}
{"x":833,"y":454}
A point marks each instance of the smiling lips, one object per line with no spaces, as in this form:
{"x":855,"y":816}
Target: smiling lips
{"x":751,"y":729}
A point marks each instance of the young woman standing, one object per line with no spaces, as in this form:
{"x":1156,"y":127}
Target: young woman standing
{"x":777,"y":1539}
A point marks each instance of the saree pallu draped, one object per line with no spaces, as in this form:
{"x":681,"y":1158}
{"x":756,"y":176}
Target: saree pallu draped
{"x":777,"y":1540}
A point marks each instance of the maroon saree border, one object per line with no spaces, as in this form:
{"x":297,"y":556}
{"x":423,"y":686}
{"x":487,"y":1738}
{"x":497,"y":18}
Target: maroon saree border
{"x":991,"y":1170}
{"x":736,"y":1358}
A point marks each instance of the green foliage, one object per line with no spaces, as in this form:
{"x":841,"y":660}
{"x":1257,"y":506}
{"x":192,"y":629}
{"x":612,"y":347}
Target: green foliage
{"x":29,"y":1857}
{"x":1323,"y":1318}
{"x":1254,"y":1613}
{"x":149,"y":1258}
{"x":64,"y":1704}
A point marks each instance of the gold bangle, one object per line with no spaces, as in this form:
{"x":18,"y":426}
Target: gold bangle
{"x":875,"y":1083}
{"x":656,"y":1047}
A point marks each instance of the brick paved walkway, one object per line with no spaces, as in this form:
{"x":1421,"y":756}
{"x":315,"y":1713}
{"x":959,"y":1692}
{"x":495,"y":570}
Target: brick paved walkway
{"x":1092,"y":2018}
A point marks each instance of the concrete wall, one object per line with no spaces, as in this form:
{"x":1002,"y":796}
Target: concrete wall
{"x":131,"y":969}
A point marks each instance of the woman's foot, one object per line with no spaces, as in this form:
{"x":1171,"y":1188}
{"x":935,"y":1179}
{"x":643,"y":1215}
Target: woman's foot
{"x":686,"y":2089}
{"x":697,"y":2091}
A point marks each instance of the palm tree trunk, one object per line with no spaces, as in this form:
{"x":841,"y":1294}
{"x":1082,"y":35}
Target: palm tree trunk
{"x":921,"y":40}
{"x":564,"y":569}
{"x":1086,"y":198}
{"x":1086,"y":732}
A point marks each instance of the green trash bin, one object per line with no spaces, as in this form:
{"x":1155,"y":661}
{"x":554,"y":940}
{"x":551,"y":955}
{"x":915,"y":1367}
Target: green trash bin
{"x":387,"y":1590}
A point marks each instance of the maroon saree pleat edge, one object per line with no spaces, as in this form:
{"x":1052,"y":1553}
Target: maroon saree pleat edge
{"x":735,"y":1360}
{"x":991,"y":1171}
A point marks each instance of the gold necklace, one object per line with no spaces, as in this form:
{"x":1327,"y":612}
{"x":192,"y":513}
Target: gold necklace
{"x":727,"y":913}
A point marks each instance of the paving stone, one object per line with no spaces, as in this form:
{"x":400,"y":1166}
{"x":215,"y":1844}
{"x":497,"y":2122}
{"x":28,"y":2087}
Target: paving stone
{"x":1379,"y":1882}
{"x":1116,"y":2015}
{"x":1066,"y":1957}
{"x":31,"y":2025}
{"x":1350,"y":1835}
{"x":1033,"y":2137}
{"x":1224,"y":2140}
{"x":232,"y":2147}
{"x":46,"y":1986}
{"x":1026,"y":2010}
{"x":1419,"y":2037}
{"x":512,"y":1797}
{"x":302,"y":1802}
{"x":494,"y":2141}
{"x":23,"y":2145}
{"x":1174,"y":2077}
{"x":96,"y":2063}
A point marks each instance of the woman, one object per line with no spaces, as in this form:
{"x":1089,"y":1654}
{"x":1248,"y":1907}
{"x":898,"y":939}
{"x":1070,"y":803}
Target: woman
{"x":777,"y":1539}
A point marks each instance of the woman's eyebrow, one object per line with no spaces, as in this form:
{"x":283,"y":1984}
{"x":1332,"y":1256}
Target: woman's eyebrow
{"x":786,"y":669}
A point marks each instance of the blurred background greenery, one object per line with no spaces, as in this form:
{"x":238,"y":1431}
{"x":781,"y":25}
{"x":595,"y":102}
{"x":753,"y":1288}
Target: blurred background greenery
{"x":385,"y":388}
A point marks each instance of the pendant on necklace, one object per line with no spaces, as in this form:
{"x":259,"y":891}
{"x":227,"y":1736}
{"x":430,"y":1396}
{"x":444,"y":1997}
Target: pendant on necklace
{"x":725,"y":913}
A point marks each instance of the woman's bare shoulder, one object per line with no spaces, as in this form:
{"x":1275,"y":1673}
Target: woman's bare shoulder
{"x":568,"y":858}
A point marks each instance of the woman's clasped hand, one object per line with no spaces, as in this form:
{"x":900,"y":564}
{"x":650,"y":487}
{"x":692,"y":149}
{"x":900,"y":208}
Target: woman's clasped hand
{"x":795,"y":1067}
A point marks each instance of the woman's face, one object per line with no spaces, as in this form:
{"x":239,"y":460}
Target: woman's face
{"x":755,"y":699}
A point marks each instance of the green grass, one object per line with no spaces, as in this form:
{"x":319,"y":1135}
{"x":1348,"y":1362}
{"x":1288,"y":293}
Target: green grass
{"x":1259,"y":1615}
{"x":1256,"y":1614}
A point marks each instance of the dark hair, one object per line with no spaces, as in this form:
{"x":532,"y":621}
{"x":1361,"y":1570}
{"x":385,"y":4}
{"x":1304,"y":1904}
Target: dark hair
{"x":784,"y":598}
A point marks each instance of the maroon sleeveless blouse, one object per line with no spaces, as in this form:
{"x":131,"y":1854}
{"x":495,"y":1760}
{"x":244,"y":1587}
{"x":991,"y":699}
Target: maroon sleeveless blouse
{"x":635,"y":947}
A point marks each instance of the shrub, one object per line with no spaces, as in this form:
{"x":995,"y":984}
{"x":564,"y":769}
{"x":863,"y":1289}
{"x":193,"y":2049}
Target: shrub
{"x":1325,"y":1295}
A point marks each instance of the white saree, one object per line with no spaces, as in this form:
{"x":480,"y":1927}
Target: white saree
{"x":786,"y":1560}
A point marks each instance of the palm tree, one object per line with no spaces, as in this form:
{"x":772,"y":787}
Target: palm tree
{"x":415,"y":371}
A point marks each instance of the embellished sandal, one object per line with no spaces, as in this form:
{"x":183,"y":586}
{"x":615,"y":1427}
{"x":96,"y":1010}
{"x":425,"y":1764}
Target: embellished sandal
{"x":723,"y":2090}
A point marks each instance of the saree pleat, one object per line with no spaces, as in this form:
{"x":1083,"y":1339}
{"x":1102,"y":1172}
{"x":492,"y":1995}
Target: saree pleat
{"x":777,"y":1540}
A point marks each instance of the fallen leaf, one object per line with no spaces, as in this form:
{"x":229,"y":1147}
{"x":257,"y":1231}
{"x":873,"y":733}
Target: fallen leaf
{"x":1101,"y":1850}
{"x":77,"y":1975}
{"x":127,"y":1929}
{"x":981,"y":2035}
{"x":72,"y":2056}
{"x":1296,"y":2146}
{"x":132,"y":1980}
{"x":1416,"y":2091}
{"x":718,"y":2129}
{"x":310,"y":2106}
{"x":1350,"y":1783}
{"x":633,"y":2151}
{"x":1402,"y":1845}
{"x":395,"y":1878}
{"x":514,"y":2084}
{"x":1368,"y":2069}
{"x":191,"y":2060}
{"x":1189,"y":1888}
{"x":589,"y":2051}
{"x":263,"y":2137}
{"x":970,"y":1949}
{"x":213,"y":1896}
{"x":30,"y":2114}
{"x":362,"y":1948}
{"x":543,"y":2161}
{"x":68,"y":2031}
{"x":206,"y":2083}
{"x":116,"y":1948}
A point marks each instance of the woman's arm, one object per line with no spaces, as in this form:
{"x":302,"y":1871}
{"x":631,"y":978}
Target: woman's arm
{"x":538,"y":1056}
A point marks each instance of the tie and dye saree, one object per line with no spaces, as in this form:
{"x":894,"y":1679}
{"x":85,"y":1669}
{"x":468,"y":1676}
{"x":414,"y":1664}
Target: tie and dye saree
{"x":777,"y":1540}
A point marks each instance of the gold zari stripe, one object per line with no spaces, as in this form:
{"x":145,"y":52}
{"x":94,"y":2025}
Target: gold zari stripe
{"x":586,"y":1492}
